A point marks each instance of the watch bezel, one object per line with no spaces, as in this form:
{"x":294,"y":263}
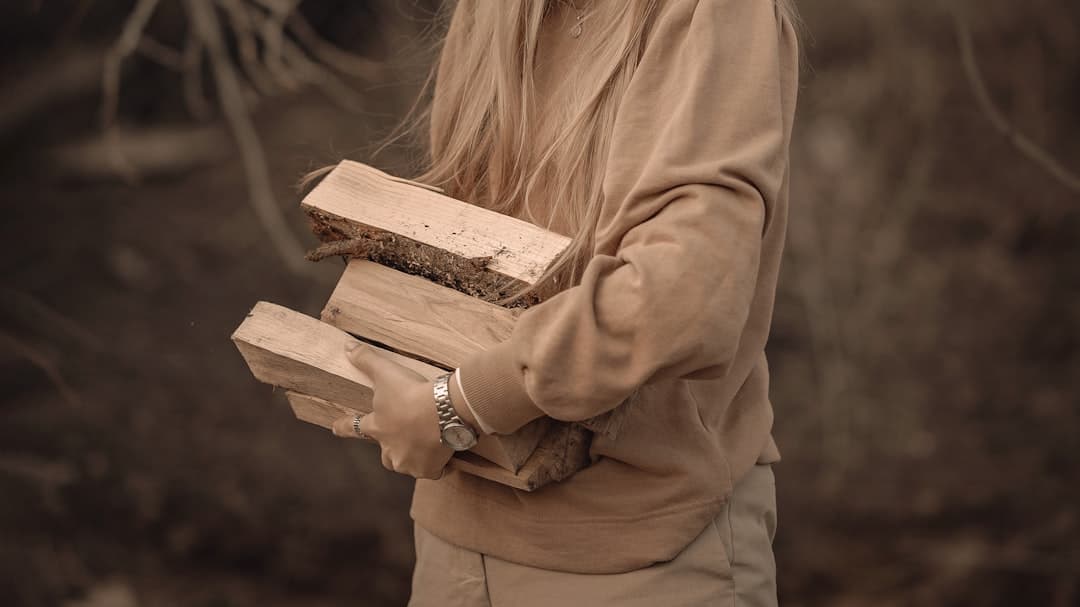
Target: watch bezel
{"x":458,"y":436}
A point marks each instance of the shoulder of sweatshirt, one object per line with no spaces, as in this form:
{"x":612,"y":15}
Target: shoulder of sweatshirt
{"x":675,"y":18}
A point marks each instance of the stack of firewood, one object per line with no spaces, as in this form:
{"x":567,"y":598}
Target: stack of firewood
{"x":423,"y":274}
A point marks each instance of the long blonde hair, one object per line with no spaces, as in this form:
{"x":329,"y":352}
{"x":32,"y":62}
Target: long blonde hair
{"x":481,"y":123}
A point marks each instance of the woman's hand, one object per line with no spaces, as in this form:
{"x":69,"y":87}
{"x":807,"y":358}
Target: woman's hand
{"x":403,"y":418}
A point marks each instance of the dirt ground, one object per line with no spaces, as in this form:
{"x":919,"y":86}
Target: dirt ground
{"x":925,"y":350}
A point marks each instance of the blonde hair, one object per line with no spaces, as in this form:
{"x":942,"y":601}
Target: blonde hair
{"x":484,"y":145}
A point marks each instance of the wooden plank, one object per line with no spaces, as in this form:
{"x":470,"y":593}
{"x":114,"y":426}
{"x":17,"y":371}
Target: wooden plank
{"x":294,"y":351}
{"x":423,"y":320}
{"x":318,"y":411}
{"x":570,"y":443}
{"x":356,"y":197}
{"x":323,"y":413}
{"x":288,"y":349}
{"x":413,"y":316}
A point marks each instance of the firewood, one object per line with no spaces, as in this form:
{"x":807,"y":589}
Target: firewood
{"x":420,"y":231}
{"x":425,"y":321}
{"x":413,"y":316}
{"x":288,"y":349}
{"x":563,"y":451}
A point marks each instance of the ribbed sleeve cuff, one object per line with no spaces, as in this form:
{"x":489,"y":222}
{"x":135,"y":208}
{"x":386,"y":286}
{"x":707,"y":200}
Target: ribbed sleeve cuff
{"x":496,"y":389}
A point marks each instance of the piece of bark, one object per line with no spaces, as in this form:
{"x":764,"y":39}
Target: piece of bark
{"x":426,"y":321}
{"x":288,"y":349}
{"x":562,"y":452}
{"x":420,"y":231}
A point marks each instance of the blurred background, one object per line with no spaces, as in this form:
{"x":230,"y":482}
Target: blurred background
{"x":925,"y":355}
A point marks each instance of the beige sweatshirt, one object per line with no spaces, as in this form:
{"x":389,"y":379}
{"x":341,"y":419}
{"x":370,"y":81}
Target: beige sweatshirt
{"x":677,"y":299}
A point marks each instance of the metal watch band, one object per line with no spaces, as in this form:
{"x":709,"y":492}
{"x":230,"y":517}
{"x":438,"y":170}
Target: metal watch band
{"x":448,"y":416}
{"x":442,"y":400}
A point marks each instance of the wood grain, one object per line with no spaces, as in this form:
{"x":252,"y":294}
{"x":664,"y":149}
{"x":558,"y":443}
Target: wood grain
{"x":426,"y":321}
{"x":414,"y":316}
{"x":294,"y":351}
{"x":362,"y":196}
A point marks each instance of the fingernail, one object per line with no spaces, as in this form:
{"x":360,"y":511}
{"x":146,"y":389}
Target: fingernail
{"x":351,"y":345}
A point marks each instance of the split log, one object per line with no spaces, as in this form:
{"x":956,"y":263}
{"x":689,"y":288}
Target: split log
{"x":413,"y":316}
{"x":410,"y":227}
{"x":288,"y":349}
{"x":426,"y":321}
{"x":563,"y":451}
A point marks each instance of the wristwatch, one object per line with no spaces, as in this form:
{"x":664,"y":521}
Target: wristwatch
{"x":456,"y":434}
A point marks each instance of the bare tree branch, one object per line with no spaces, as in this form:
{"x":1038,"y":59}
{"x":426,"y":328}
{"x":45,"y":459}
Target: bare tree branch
{"x":205,"y":24}
{"x":268,"y":60}
{"x":161,"y":54}
{"x":243,"y":23}
{"x":125,"y":45}
{"x":42,"y":362}
{"x":342,"y":61}
{"x":272,"y":32}
{"x":1023,"y":144}
{"x":312,"y":73}
{"x":19,"y":301}
{"x":66,"y":73}
{"x":194,"y":97}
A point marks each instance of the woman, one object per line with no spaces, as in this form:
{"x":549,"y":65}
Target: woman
{"x":655,"y":133}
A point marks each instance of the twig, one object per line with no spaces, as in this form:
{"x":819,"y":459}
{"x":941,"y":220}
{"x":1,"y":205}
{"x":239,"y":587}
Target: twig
{"x":292,"y":67}
{"x":67,"y":73}
{"x":311,"y":72}
{"x":52,"y":318}
{"x":161,"y":54}
{"x":273,"y":37}
{"x":242,"y":24}
{"x":43,"y":363}
{"x":205,"y":24}
{"x":341,"y":60}
{"x":1025,"y":146}
{"x":351,"y":247}
{"x":194,"y":98}
{"x":277,"y":6}
{"x":125,"y":45}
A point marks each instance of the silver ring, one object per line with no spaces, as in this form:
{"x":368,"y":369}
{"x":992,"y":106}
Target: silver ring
{"x":356,"y":427}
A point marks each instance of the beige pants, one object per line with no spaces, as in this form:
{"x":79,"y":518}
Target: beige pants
{"x":730,"y":563}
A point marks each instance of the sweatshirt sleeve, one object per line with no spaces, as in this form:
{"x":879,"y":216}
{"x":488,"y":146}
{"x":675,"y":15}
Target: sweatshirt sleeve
{"x":697,"y":158}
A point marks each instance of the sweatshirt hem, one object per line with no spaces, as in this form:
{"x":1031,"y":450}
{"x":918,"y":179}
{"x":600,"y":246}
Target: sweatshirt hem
{"x":608,"y":547}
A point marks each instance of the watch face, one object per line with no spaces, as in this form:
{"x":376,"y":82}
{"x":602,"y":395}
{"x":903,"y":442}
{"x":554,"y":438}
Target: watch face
{"x":459,"y":438}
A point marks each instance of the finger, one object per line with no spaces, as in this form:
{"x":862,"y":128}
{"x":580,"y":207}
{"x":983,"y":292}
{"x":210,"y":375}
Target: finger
{"x":369,"y":426}
{"x":343,"y":427}
{"x":368,"y":360}
{"x":386,"y":461}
